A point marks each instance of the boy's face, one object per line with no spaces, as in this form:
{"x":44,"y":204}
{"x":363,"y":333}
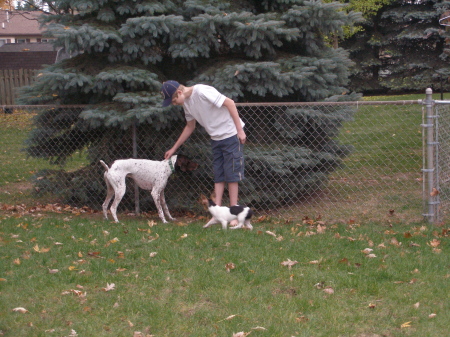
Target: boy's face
{"x":178,"y":98}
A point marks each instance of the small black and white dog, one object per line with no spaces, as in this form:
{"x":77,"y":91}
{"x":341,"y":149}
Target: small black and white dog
{"x":225,"y":214}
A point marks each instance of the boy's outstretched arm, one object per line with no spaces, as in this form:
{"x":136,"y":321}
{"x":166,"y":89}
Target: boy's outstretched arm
{"x":187,"y":131}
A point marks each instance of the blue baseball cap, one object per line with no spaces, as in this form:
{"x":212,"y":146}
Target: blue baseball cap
{"x":167,"y":90}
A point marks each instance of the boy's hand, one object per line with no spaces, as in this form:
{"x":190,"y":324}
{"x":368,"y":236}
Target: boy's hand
{"x":242,"y":136}
{"x":169,"y":154}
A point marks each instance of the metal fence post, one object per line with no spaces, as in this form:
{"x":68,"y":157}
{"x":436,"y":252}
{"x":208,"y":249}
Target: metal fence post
{"x":429,"y":168}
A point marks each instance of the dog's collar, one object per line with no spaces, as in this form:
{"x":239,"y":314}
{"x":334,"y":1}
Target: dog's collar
{"x":171,"y":165}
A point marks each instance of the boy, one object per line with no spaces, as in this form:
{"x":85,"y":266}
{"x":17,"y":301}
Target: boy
{"x":219,"y":116}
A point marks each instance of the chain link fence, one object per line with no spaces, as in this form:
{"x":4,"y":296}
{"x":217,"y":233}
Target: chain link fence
{"x":437,"y":161}
{"x":336,"y":161}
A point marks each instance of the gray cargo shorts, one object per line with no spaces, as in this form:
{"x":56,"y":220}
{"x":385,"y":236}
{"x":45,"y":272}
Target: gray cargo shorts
{"x":228,"y":160}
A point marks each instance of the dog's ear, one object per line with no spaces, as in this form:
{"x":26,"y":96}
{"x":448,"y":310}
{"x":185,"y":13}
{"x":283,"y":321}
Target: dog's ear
{"x":185,"y":164}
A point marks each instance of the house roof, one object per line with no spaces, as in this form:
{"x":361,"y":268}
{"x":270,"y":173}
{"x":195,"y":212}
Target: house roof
{"x":27,"y":55}
{"x":20,"y":23}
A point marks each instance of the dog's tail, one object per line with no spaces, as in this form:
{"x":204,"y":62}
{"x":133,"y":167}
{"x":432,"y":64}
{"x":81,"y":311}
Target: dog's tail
{"x":104,"y":165}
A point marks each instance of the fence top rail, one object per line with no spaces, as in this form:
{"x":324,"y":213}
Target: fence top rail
{"x":357,"y":103}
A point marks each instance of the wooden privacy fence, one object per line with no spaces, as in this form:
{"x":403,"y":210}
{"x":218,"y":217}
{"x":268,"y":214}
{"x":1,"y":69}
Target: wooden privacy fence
{"x":11,"y":80}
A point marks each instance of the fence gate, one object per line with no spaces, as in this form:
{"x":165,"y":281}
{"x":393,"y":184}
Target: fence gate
{"x":436,"y":159}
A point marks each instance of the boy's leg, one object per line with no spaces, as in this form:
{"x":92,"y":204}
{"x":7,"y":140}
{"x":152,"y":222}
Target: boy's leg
{"x":233,"y":190}
{"x":219,"y":178}
{"x":218,"y":189}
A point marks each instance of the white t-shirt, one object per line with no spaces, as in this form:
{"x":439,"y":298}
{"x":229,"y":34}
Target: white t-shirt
{"x":205,"y":106}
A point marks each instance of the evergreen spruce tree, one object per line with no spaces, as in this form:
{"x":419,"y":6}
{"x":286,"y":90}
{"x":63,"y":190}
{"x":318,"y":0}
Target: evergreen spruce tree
{"x":400,"y":47}
{"x":250,"y":50}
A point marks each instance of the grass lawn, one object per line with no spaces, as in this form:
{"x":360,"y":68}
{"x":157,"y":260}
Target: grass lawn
{"x":97,"y":278}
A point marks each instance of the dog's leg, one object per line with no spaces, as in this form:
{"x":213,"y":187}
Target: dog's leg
{"x":211,"y":222}
{"x":239,"y":225}
{"x":109,"y":195}
{"x":240,"y":221}
{"x":164,"y":205}
{"x":248,"y":224}
{"x":119,"y":193}
{"x":224,"y":225}
{"x":156,"y":198}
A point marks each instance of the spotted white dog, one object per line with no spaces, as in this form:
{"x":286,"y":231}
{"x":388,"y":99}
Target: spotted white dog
{"x":147,"y":174}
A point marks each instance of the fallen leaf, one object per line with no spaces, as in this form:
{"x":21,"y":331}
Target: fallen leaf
{"x":20,"y":309}
{"x":79,"y":293}
{"x":434,"y":243}
{"x":367,"y":250}
{"x":288,"y":263}
{"x":321,"y":229}
{"x":183,"y":236}
{"x":405,"y":325}
{"x":301,"y":319}
{"x":16,"y":261}
{"x":260,"y":328}
{"x":230,"y":266}
{"x":432,"y":315}
{"x":372,"y":306}
{"x":109,"y":287}
{"x":153,"y":254}
{"x":73,"y":333}
{"x":53,"y":271}
{"x":241,"y":334}
{"x":328,"y":290}
{"x":434,"y":192}
{"x":416,"y":305}
{"x":271,"y":233}
{"x":371,"y":256}
{"x":229,"y":318}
